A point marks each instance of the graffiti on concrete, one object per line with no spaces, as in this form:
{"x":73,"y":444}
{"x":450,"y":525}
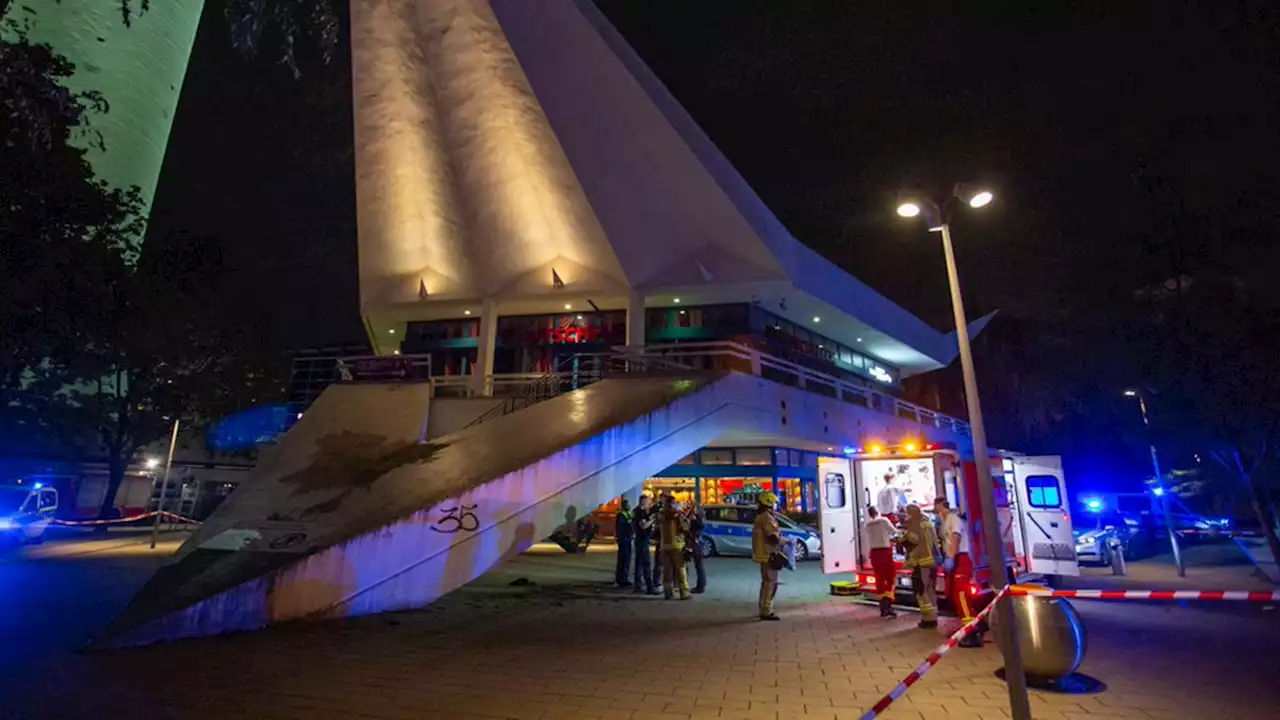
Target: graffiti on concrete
{"x":459,"y":518}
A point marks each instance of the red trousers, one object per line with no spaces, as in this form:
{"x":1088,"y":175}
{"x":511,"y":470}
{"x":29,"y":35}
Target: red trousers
{"x":882,"y":566}
{"x":958,"y":582}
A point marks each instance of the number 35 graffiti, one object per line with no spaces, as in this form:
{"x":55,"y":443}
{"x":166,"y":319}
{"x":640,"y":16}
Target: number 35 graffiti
{"x":458,"y":518}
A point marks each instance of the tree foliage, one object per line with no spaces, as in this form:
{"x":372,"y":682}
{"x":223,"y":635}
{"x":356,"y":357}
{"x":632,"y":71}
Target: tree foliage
{"x":56,"y":222}
{"x":104,"y":339}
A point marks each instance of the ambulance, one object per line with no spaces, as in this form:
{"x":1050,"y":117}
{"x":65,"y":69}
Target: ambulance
{"x":1030,"y":497}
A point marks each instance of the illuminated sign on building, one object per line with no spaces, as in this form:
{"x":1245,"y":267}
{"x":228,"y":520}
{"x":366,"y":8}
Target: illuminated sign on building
{"x":573,"y":334}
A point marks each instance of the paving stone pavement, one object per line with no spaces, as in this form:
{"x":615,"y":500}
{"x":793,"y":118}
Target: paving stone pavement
{"x":568,"y":647}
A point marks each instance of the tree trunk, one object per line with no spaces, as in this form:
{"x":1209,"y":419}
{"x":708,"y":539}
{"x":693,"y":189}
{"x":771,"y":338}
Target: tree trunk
{"x":115,"y":477}
{"x":1264,"y":512}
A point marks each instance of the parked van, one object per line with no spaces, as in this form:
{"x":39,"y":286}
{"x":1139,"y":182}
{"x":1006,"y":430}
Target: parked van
{"x":25,"y":512}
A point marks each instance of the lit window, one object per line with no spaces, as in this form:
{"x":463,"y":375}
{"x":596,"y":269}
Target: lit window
{"x":1043,"y":492}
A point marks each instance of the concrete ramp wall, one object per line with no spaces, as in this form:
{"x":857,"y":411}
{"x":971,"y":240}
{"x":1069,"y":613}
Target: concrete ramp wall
{"x":377,"y":524}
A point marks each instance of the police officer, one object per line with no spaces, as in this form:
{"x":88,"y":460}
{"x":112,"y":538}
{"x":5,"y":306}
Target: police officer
{"x":624,"y":531}
{"x":697,"y":523}
{"x":644,"y":520}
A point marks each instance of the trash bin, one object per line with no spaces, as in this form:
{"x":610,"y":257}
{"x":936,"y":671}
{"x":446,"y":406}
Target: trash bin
{"x":1051,"y":636}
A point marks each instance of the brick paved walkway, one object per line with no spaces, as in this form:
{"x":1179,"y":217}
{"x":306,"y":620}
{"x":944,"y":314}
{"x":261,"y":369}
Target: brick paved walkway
{"x":567,"y":648}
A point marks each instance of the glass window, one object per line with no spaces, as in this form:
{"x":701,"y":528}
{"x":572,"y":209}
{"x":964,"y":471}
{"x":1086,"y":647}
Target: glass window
{"x":837,"y":490}
{"x":687,"y":460}
{"x":1043,"y":492}
{"x":789,"y":495}
{"x":782,"y":456}
{"x":48,"y":499}
{"x":716,"y":457}
{"x":753,"y":456}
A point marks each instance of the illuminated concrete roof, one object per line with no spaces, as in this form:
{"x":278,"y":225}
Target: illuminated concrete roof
{"x":502,"y":144}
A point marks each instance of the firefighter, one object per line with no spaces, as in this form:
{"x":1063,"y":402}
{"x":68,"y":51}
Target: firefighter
{"x":766,"y":540}
{"x":921,"y":543}
{"x":957,"y":565}
{"x":879,"y":532}
{"x":675,"y":529}
{"x":624,"y":531}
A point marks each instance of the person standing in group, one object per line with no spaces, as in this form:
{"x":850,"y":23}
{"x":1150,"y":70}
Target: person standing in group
{"x":643,"y":577}
{"x":624,"y":532}
{"x":922,"y":543}
{"x":766,"y":539}
{"x":958,"y":565}
{"x":659,"y":506}
{"x":890,"y":499}
{"x":697,"y":523}
{"x":674,"y":530}
{"x":879,"y":534}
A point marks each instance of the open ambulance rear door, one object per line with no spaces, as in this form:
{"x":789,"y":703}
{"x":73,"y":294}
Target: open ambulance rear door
{"x":837,"y":516}
{"x":1043,"y":517}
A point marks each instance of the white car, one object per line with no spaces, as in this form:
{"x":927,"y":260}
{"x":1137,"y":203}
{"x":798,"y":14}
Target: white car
{"x":25,"y":512}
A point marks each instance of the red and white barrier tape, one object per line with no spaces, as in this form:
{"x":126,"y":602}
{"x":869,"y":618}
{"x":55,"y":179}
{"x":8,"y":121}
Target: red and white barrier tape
{"x":131,"y":518}
{"x":1245,"y":595}
{"x":929,"y":662}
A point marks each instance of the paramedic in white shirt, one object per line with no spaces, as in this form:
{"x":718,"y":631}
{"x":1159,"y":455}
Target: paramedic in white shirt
{"x":879,"y":535}
{"x":890,"y":498}
{"x":958,"y":566}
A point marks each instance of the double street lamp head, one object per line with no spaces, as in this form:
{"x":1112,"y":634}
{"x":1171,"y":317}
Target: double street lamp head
{"x":912,"y":203}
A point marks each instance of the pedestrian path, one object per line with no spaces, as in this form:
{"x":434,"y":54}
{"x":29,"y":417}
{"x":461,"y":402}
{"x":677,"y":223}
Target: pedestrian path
{"x":562,"y":644}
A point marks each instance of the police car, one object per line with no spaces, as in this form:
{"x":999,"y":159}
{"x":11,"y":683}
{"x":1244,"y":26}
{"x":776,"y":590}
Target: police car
{"x":25,"y":512}
{"x":728,"y":532}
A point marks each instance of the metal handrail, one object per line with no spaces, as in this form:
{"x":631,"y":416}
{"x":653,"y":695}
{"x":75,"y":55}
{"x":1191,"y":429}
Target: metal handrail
{"x":674,"y":357}
{"x":840,"y":388}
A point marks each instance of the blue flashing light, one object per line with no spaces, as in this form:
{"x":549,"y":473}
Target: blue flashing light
{"x":248,"y":428}
{"x":1093,"y":505}
{"x":38,"y":485}
{"x":851,"y":450}
{"x":1157,"y":491}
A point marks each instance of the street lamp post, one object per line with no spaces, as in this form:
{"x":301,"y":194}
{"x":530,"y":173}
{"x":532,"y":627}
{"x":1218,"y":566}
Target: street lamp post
{"x":164,"y":487}
{"x":937,"y":216}
{"x":1159,"y":490}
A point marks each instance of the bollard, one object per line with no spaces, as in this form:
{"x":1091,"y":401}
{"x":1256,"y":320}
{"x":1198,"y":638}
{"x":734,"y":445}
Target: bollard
{"x":1116,"y":552}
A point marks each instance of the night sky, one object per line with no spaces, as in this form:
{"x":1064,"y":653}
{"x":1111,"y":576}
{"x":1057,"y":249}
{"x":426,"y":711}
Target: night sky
{"x":1111,"y":132}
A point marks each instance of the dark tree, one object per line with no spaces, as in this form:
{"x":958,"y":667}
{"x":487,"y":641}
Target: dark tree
{"x":53,"y":215}
{"x":175,"y":341}
{"x":103,"y":340}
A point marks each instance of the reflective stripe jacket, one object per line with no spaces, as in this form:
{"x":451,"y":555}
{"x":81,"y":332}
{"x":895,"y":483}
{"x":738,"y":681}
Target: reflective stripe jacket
{"x":766,"y":526}
{"x":675,"y":526}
